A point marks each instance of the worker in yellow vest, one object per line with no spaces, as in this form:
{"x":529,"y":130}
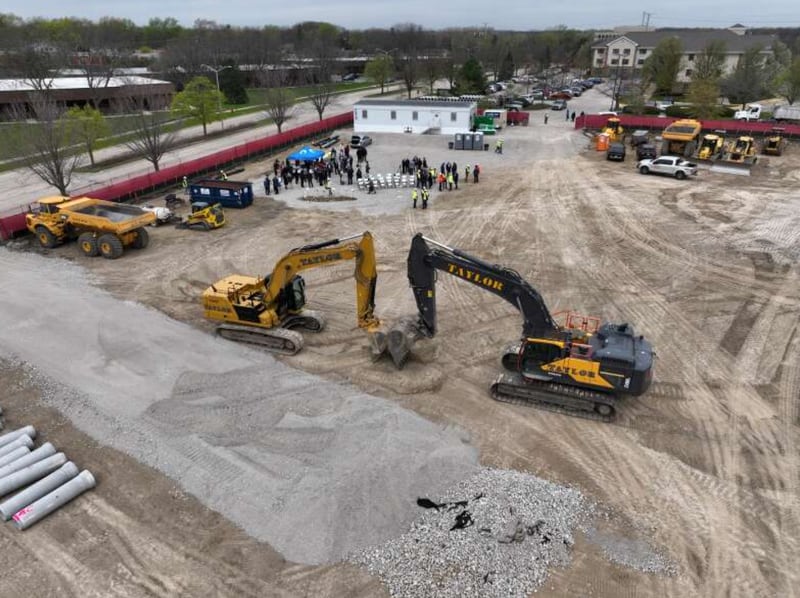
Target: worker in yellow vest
{"x":414,"y":196}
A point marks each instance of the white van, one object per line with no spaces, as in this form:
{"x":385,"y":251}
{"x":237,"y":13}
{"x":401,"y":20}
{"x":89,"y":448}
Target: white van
{"x":500,"y":117}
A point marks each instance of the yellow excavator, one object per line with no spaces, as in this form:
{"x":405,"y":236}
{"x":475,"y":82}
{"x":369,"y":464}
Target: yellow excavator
{"x":263,"y":311}
{"x":613,"y":129}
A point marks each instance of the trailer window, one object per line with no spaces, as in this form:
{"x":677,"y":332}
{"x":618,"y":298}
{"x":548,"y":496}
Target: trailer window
{"x":415,"y":115}
{"x":453,"y":116}
{"x":394,"y":114}
{"x":363,"y":114}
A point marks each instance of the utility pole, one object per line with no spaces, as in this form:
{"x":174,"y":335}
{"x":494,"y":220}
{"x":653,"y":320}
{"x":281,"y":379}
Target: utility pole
{"x":646,"y":20}
{"x":216,"y":72}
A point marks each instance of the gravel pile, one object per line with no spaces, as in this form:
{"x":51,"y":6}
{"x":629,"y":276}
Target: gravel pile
{"x":631,"y":553}
{"x":495,"y":534}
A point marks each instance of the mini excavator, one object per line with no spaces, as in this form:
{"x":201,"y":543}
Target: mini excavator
{"x":263,"y":311}
{"x":579,"y":366}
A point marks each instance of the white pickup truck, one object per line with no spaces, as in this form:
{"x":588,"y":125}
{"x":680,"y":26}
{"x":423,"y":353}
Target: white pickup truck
{"x":669,"y":165}
{"x":751,"y":112}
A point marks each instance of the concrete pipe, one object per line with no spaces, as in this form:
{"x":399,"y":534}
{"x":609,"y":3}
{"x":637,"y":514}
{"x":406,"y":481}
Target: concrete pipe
{"x":11,"y":436}
{"x":12,"y":456}
{"x":40,"y":509}
{"x":31,"y":473}
{"x":44,"y":486}
{"x":23,"y":440}
{"x":46,"y":450}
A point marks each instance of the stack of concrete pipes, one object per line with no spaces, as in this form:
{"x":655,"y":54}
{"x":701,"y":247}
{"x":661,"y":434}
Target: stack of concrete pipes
{"x":51,"y":480}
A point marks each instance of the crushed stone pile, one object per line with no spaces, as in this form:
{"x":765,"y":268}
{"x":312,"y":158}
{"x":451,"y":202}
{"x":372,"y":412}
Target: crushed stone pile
{"x":317,"y":469}
{"x":495,"y":534}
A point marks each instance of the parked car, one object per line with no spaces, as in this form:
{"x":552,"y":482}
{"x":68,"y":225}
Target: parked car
{"x":616,"y":151}
{"x":558,"y":105}
{"x":560,"y":95}
{"x":646,"y":151}
{"x":668,"y":165}
{"x":576,"y":91}
{"x":360,"y":140}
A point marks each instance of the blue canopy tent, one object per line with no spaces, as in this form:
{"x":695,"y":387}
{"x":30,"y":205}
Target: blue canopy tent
{"x":307,"y":154}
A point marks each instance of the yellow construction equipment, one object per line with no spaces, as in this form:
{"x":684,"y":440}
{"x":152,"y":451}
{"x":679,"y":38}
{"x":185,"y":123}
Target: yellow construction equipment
{"x":613,"y":129}
{"x":680,"y":137}
{"x":203,"y":217}
{"x":262,"y":311}
{"x":775,"y":142}
{"x":711,"y":146}
{"x":742,"y":150}
{"x":101,"y":227}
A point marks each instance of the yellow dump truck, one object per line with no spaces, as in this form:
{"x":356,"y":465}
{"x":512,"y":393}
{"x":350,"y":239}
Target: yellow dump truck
{"x":680,"y":138}
{"x":101,"y":227}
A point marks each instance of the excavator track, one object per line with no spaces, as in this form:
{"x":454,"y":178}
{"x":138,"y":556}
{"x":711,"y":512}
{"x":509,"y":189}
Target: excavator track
{"x":551,"y":396}
{"x":276,"y":340}
{"x":308,"y":319}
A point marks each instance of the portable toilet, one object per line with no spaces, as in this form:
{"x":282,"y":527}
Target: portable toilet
{"x":467,"y":141}
{"x":477,"y":140}
{"x":602,"y":142}
{"x":459,"y":142}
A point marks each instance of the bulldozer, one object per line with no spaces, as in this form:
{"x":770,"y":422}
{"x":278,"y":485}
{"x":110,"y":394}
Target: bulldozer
{"x":264,"y":310}
{"x":711,"y":146}
{"x":613,"y":129}
{"x":203,"y":217}
{"x":577,"y":365}
{"x":742,"y":150}
{"x":775,"y":142}
{"x":680,"y":137}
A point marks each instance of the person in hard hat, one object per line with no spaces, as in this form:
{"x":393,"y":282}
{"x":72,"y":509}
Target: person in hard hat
{"x":425,"y":196}
{"x":449,"y":181}
{"x":476,"y":173}
{"x":223,"y":175}
{"x":466,"y":173}
{"x":185,"y":185}
{"x":414,"y":196}
{"x":498,"y":147}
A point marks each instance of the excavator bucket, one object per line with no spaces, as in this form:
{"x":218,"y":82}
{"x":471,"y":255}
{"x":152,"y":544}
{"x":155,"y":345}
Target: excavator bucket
{"x":378,"y":344}
{"x":401,"y":339}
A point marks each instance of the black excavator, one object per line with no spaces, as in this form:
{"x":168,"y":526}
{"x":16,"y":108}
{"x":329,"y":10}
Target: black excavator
{"x":580,"y":366}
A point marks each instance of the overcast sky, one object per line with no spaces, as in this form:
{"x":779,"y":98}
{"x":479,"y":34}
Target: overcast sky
{"x":522,"y":15}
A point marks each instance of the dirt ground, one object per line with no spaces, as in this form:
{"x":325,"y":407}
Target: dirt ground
{"x":704,"y":468}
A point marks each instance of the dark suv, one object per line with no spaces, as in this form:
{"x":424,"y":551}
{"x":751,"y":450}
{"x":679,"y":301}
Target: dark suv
{"x":616,"y":151}
{"x":646,"y":151}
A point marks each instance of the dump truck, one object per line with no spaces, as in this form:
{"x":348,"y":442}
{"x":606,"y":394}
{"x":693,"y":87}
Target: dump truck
{"x":680,"y":137}
{"x":101,"y":227}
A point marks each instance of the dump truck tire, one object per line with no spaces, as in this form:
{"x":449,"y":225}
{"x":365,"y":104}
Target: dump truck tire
{"x":88,"y":244}
{"x":110,"y":247}
{"x":142,"y":239}
{"x":46,"y":238}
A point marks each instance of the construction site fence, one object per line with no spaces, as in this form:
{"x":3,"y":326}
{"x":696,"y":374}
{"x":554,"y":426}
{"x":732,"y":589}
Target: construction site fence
{"x":13,"y":221}
{"x":733,"y":128}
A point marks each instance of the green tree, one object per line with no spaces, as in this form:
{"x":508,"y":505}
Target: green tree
{"x":662,"y":66}
{"x":87,"y":125}
{"x":748,"y":82}
{"x":507,"y":67}
{"x":472,"y":79}
{"x":231,"y":83}
{"x":199,"y":99}
{"x":380,"y":69}
{"x":704,"y":96}
{"x":788,"y":82}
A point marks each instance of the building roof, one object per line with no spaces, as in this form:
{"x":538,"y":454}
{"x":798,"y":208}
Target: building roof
{"x":695,"y":40}
{"x":78,"y":83}
{"x":417,"y":103}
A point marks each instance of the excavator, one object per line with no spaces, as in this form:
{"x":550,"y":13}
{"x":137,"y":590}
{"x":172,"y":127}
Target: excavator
{"x":263,"y":311}
{"x":613,"y":129}
{"x":580,"y":367}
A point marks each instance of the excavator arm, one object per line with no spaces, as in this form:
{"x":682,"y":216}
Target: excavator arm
{"x":279,"y":282}
{"x":427,"y":256}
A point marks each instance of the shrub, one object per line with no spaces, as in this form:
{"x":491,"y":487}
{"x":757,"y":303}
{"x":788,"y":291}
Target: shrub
{"x":679,"y":111}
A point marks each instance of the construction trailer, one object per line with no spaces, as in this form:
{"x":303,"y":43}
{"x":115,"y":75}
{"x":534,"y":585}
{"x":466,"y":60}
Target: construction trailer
{"x":230,"y":194}
{"x":413,"y":116}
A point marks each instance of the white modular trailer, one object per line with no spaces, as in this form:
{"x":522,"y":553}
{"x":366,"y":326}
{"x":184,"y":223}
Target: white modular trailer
{"x":413,"y":116}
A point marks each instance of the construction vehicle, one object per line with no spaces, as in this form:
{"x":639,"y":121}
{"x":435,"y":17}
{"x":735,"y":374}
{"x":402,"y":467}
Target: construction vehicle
{"x":786,"y":113}
{"x":579,"y":365}
{"x":262,"y":311}
{"x":203,"y":217}
{"x":775,"y":142}
{"x":101,"y":227}
{"x":613,"y":129}
{"x":711,"y":146}
{"x":742,"y":150}
{"x":680,"y":137}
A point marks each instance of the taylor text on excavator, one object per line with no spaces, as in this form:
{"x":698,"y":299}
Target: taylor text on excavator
{"x":579,"y":365}
{"x":263,"y":311}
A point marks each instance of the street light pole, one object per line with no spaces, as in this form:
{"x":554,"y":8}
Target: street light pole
{"x":216,"y":72}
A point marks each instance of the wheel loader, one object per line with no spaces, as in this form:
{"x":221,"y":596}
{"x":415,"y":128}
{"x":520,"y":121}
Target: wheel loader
{"x":613,"y":129}
{"x":775,"y":142}
{"x":711,"y":146}
{"x":265,"y":310}
{"x":101,"y":227}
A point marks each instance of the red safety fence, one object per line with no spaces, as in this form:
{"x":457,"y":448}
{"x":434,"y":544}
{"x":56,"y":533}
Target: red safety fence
{"x":732,"y":127}
{"x":14,"y":221}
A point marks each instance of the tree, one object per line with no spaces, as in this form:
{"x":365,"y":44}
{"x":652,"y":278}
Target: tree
{"x":431,"y":71}
{"x":321,"y":97}
{"x":87,"y":125}
{"x":151,"y":138}
{"x":507,"y":67}
{"x":472,"y":78}
{"x":662,"y":66}
{"x":199,"y":99}
{"x":704,"y":96}
{"x":709,"y":65}
{"x":379,"y":70}
{"x":46,"y":145}
{"x":278,"y":103}
{"x":788,"y":82}
{"x":748,"y":81}
{"x":231,"y":83}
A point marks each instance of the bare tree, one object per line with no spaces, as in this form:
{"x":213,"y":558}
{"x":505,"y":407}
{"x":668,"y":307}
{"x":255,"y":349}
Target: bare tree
{"x":46,"y":146}
{"x":278,"y":104}
{"x":151,"y":135}
{"x":321,"y":97}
